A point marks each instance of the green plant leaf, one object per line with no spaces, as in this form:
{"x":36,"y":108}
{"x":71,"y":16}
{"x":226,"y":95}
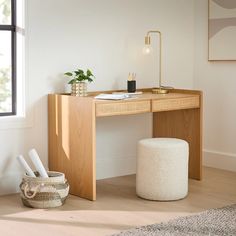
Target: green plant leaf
{"x":80,"y":76}
{"x":80,"y":71}
{"x":89,"y":73}
{"x":68,"y":74}
{"x":72,"y":81}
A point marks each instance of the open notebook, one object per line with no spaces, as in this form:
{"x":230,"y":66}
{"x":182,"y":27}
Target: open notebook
{"x":117,"y":96}
{"x":112,"y":96}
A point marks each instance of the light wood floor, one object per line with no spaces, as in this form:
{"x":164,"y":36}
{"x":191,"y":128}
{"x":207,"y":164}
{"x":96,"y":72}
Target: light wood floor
{"x":117,"y":208}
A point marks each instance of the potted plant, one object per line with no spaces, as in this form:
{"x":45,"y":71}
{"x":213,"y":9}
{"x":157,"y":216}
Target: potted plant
{"x":79,"y":81}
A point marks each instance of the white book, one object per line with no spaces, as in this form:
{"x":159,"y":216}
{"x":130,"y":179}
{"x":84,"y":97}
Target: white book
{"x":130,"y":94}
{"x":105,"y":96}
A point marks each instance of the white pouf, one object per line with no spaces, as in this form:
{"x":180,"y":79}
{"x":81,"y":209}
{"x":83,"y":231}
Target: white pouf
{"x":162,"y":169}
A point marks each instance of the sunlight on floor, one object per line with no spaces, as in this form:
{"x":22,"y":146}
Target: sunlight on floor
{"x":103,"y":222}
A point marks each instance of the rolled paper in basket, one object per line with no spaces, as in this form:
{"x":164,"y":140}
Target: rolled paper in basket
{"x":25,"y":166}
{"x":37,"y":163}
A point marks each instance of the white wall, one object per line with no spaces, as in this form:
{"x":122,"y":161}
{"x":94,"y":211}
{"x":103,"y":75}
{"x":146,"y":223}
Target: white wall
{"x":106,"y":36}
{"x":218,"y":82}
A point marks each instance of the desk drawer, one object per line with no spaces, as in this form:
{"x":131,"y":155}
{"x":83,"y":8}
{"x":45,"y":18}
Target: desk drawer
{"x":122,"y":108}
{"x":176,"y":104}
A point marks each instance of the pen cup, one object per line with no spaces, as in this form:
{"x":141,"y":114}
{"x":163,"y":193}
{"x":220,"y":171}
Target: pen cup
{"x":131,"y":86}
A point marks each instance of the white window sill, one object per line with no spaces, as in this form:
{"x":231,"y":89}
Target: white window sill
{"x":16,"y":122}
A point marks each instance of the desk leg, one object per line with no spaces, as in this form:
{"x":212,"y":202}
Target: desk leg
{"x":71,"y":127}
{"x":183,"y":124}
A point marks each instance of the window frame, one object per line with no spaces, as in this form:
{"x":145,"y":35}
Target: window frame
{"x":12,"y":29}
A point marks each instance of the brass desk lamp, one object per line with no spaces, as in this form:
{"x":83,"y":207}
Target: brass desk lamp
{"x":147,"y":50}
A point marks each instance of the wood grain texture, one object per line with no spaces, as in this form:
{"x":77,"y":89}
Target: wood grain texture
{"x":147,"y":90}
{"x":72,"y":130}
{"x":185,"y":91}
{"x":186,"y":125}
{"x":71,"y":122}
{"x":117,"y":208}
{"x":148,"y":96}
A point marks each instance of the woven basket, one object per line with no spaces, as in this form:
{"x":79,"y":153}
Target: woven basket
{"x":44,"y":192}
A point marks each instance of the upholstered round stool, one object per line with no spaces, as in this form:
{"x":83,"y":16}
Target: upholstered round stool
{"x":162,"y":169}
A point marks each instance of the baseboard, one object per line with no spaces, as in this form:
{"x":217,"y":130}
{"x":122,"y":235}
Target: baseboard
{"x":115,"y":166}
{"x":120,"y":165}
{"x":10,"y":183}
{"x":125,"y":165}
{"x":219,"y":160}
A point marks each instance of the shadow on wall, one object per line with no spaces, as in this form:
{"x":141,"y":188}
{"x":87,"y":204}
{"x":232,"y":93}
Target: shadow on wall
{"x":58,"y":83}
{"x":9,"y":166}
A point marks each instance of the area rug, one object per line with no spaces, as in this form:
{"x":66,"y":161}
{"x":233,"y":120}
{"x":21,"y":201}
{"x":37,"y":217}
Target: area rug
{"x":214,"y":222}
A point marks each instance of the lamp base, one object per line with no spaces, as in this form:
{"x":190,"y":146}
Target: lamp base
{"x":160,"y":91}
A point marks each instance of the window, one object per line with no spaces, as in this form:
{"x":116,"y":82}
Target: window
{"x":7,"y":57}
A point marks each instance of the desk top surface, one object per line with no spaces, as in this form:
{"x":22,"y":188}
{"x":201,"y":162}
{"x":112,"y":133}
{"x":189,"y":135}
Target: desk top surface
{"x":173,"y":96}
{"x":149,"y":96}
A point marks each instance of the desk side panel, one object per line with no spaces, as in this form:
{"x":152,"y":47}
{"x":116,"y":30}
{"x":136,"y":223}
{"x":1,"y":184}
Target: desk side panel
{"x":183,"y":124}
{"x":71,"y":127}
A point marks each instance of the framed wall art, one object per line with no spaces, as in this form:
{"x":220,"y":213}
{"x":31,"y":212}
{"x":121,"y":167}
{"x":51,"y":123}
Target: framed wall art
{"x":222,"y":30}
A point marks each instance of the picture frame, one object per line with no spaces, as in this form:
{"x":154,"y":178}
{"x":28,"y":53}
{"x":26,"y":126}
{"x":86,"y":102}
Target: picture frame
{"x":222,"y":30}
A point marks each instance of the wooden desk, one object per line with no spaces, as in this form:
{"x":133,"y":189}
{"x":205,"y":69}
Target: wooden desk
{"x":72,"y":122}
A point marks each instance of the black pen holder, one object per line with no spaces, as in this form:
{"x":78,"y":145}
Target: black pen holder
{"x":131,"y":86}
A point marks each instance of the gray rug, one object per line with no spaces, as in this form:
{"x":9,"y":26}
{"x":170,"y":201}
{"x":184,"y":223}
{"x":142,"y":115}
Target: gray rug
{"x":214,"y":222}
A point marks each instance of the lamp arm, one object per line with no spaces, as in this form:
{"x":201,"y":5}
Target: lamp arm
{"x":160,"y":52}
{"x":153,"y":31}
